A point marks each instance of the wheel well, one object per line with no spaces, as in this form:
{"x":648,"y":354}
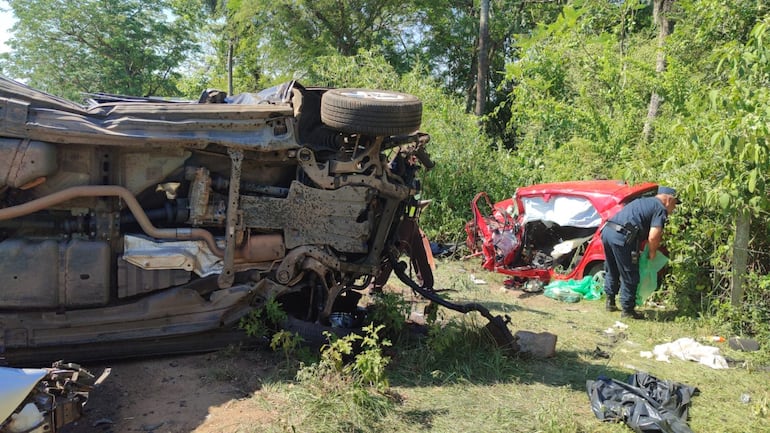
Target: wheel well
{"x":594,"y":267}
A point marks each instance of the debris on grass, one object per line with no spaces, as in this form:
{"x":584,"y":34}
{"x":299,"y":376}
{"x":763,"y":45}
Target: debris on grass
{"x":687,"y":349}
{"x":536,"y":345}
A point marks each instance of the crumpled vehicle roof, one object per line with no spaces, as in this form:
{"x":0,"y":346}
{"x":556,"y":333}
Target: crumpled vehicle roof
{"x":36,"y":115}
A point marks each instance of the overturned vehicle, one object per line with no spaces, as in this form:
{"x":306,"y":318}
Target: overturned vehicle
{"x":143,"y":222}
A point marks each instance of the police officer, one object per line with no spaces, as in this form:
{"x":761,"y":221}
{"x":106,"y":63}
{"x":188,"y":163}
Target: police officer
{"x":643,"y":218}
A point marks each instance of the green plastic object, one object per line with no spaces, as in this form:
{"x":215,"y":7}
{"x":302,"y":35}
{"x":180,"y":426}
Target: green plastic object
{"x":574,"y":290}
{"x":648,"y":274}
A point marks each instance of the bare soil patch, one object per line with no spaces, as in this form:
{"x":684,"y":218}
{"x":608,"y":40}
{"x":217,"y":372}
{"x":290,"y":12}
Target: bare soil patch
{"x":195,"y":393}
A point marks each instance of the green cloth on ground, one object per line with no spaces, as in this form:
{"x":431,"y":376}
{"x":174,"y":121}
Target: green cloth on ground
{"x":573,"y":290}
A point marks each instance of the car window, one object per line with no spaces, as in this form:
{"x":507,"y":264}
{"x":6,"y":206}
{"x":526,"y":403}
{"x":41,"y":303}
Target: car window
{"x":563,"y":210}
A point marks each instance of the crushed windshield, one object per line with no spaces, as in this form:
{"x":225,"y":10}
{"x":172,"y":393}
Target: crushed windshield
{"x":563,"y":210}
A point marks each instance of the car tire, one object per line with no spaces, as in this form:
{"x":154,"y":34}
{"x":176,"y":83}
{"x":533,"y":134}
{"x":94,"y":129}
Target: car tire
{"x":313,"y":333}
{"x":596,"y":271}
{"x":371,"y":112}
{"x":594,"y":268}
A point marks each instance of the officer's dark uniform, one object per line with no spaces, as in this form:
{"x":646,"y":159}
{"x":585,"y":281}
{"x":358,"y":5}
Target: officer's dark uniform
{"x":621,"y":237}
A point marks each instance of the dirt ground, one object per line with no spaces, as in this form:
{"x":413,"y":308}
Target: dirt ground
{"x":194,"y":393}
{"x":203,"y":393}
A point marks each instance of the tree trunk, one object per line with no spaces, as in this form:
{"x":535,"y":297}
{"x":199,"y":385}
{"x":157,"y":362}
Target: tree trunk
{"x":230,"y":49}
{"x":740,"y":256}
{"x":483,"y":64}
{"x":660,"y":9}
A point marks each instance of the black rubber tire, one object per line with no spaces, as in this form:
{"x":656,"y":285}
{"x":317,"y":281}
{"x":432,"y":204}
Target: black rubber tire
{"x":371,"y":112}
{"x":313,"y":333}
{"x":594,"y":268}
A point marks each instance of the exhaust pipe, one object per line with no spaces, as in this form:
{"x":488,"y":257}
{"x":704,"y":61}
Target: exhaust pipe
{"x":113,"y":191}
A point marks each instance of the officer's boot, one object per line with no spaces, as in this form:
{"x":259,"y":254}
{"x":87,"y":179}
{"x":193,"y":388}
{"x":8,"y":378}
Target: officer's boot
{"x":610,"y":305}
{"x":631,"y":313}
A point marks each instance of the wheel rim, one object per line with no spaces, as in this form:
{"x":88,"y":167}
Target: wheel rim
{"x":369,"y":94}
{"x":598,"y":279}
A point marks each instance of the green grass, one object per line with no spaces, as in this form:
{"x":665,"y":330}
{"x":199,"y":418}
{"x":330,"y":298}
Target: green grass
{"x":474,"y":388}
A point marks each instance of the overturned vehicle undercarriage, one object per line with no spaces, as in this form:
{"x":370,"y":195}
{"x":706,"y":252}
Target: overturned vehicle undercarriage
{"x":146,"y":221}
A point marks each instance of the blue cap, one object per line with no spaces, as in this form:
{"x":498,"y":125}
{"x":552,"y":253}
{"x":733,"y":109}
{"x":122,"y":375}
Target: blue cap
{"x":669,"y":191}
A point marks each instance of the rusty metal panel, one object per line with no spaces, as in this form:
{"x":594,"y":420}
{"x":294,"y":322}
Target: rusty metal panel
{"x":30,"y":273}
{"x":86,"y":273}
{"x":133,"y":280}
{"x":310,"y":216}
{"x":51,"y":274}
{"x":140,"y":170}
{"x":24,"y":161}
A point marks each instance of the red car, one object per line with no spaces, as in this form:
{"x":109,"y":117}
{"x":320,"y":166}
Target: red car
{"x":550,"y":230}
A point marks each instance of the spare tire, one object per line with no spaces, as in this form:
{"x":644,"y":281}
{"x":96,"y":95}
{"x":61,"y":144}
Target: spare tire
{"x":371,"y":112}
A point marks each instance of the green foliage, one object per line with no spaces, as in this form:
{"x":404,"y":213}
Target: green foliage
{"x":743,"y":107}
{"x":717,"y":88}
{"x":130,"y":47}
{"x":368,"y":365}
{"x":389,"y":311}
{"x":263,"y":321}
{"x":450,"y":47}
{"x":347,"y":396}
{"x":694,"y":244}
{"x":456,"y":350}
{"x":579,"y":97}
{"x":283,"y":39}
{"x":287,"y":342}
{"x":579,"y":94}
{"x":366,"y":69}
{"x":445,"y":339}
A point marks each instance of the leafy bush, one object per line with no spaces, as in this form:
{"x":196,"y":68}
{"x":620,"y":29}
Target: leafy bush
{"x":343,"y":394}
{"x":263,"y":321}
{"x":287,"y":342}
{"x":389,"y":311}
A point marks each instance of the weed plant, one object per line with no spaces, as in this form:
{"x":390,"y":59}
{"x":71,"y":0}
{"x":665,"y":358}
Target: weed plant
{"x":390,"y":311}
{"x":263,"y":322}
{"x":346,"y":390}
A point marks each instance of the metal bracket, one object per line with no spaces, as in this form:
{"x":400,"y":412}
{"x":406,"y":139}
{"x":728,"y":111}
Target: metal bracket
{"x":360,"y":163}
{"x":322,"y":175}
{"x":227,"y":276}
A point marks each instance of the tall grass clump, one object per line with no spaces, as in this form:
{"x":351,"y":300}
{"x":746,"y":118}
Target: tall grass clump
{"x":455,"y":350}
{"x":347,"y":389}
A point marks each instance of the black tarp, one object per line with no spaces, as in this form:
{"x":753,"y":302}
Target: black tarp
{"x":645,"y":403}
